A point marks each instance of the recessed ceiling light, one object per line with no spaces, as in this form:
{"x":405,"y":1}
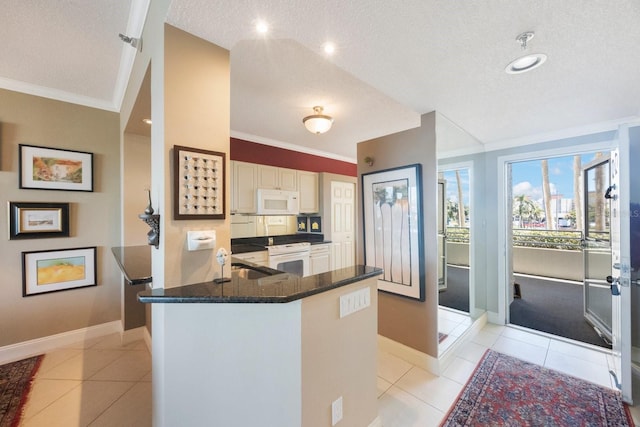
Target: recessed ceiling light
{"x":329,"y":48}
{"x":262,"y":27}
{"x":147,"y":121}
{"x":526,"y":63}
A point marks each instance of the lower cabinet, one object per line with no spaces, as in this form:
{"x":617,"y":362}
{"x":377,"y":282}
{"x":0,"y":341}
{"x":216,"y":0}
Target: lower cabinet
{"x":260,"y":258}
{"x":320,"y":260}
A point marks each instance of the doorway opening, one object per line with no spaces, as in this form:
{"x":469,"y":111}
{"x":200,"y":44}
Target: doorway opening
{"x":559,"y":246}
{"x":454,"y":266}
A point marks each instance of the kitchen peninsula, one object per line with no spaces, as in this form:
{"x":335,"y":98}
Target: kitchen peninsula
{"x":269,"y":348}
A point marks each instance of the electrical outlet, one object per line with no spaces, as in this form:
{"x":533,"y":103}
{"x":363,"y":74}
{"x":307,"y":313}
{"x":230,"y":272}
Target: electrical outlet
{"x":355,"y":301}
{"x":336,"y":411}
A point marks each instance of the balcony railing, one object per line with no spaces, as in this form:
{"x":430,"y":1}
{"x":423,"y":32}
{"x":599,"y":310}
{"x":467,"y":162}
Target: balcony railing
{"x":548,"y":239}
{"x":535,"y":238}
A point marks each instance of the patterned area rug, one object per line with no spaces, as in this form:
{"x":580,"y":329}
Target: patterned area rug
{"x":15,"y":382}
{"x":505,"y":391}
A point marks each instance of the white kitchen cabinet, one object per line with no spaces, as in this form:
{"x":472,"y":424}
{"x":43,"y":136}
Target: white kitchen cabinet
{"x":308,"y":188}
{"x":244,"y":180}
{"x":320,"y":259}
{"x":260,"y":258}
{"x":275,"y":178}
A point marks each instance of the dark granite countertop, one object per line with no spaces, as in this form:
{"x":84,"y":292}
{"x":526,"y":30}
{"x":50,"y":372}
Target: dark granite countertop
{"x":242,"y":248}
{"x":135,"y":263}
{"x":278,"y":288}
{"x":256,"y":244}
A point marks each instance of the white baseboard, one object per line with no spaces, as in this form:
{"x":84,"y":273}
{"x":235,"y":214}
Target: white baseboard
{"x":493,"y":317}
{"x":376,"y":423}
{"x":22,"y":350}
{"x":423,"y":360}
{"x":147,"y":339}
{"x":449,"y":354}
{"x":406,"y":353}
{"x":131,"y":335}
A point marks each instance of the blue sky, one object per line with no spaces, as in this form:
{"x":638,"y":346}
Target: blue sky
{"x":452,"y":185}
{"x":527,"y":178}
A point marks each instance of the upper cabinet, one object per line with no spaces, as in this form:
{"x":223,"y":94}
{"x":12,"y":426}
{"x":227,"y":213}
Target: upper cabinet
{"x":246,"y":178}
{"x":308,"y":188}
{"x":244,"y":182}
{"x":275,"y":178}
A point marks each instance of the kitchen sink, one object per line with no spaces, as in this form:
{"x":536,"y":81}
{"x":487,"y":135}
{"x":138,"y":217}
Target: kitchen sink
{"x":250,"y":272}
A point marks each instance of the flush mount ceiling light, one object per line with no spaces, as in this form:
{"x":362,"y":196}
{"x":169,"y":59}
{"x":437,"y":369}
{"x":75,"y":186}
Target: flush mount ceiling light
{"x":526,"y":62}
{"x":318,"y":123}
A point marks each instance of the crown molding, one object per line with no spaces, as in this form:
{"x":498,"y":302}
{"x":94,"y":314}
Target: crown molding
{"x":135,"y":26}
{"x":606,"y":126}
{"x":289,"y":146}
{"x":58,"y":95}
{"x":445,"y":154}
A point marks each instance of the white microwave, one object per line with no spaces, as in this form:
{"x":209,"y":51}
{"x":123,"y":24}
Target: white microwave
{"x":277,"y":202}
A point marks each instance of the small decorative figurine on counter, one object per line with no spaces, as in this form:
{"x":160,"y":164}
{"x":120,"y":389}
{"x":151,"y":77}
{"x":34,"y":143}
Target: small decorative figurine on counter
{"x":222,"y":256}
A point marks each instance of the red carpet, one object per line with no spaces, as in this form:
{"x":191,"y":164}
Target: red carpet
{"x":15,"y":382}
{"x":505,"y":391}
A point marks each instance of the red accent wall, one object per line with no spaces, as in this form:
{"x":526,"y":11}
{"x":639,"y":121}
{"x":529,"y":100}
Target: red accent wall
{"x":246,"y":151}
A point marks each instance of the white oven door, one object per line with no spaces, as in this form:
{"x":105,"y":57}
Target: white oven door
{"x":294,"y":263}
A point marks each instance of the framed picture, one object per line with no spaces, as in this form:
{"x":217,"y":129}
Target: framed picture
{"x":199,"y":187}
{"x":45,"y":168}
{"x":302,"y":224}
{"x":35,"y":220}
{"x":315,"y":224}
{"x":58,"y":270}
{"x":393,"y":231}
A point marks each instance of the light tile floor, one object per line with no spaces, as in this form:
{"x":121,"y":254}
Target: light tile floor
{"x":410,"y":396}
{"x":453,"y":324}
{"x":94,"y":383}
{"x":104,"y":383}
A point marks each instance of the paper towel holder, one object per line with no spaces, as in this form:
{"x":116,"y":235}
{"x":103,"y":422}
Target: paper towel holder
{"x":199,"y":240}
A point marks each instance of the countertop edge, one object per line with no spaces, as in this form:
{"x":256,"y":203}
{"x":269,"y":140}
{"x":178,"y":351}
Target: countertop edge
{"x":172,"y":299}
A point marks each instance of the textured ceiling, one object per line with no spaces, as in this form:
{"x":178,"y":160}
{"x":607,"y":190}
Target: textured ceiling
{"x":394,"y":61}
{"x":416,"y":56}
{"x":67,"y":49}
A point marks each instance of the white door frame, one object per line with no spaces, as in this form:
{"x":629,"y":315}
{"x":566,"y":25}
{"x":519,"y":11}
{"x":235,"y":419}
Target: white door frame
{"x":503,"y":248}
{"x":473,"y":230}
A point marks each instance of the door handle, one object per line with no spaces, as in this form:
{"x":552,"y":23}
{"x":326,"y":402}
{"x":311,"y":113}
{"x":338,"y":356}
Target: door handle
{"x":607,"y":194}
{"x":615,"y":285}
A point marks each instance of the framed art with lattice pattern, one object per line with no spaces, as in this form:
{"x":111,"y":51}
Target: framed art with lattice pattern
{"x":199,"y":186}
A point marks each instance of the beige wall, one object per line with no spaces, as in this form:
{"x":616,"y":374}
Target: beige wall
{"x":339,"y":358}
{"x":404,"y":320}
{"x":94,"y":216}
{"x":196,"y":114}
{"x":136,"y":179}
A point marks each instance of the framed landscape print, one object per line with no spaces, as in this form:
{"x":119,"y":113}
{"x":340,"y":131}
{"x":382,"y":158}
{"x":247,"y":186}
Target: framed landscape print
{"x":58,"y":270}
{"x":199,"y":187}
{"x":36,"y":220}
{"x":393,"y":231}
{"x":44,"y":168}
